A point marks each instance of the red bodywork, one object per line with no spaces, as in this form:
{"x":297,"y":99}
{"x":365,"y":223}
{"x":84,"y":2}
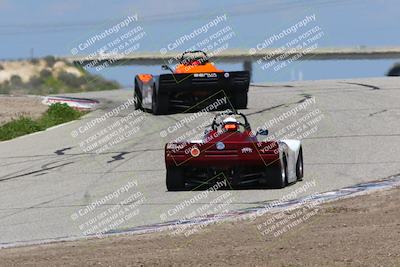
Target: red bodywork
{"x":240,"y":149}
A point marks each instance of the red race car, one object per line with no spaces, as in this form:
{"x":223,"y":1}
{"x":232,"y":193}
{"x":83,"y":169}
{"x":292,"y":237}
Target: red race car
{"x":230,"y":151}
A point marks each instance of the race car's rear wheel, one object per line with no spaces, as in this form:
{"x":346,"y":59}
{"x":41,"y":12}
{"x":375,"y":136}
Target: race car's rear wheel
{"x":138,"y":98}
{"x":277,"y":176}
{"x":175,"y":179}
{"x":299,"y":166}
{"x":240,"y":100}
{"x":159,"y":103}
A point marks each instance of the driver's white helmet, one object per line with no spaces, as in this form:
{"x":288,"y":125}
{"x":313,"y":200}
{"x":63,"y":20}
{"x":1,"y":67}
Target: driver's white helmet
{"x":230,"y":119}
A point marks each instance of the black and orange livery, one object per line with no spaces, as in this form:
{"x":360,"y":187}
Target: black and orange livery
{"x":194,"y":82}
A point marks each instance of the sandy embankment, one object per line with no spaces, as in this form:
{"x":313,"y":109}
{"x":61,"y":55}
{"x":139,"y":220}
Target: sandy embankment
{"x":360,"y":231}
{"x":12,"y":107}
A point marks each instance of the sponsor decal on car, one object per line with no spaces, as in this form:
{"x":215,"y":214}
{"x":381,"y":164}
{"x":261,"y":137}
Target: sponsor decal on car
{"x":220,"y":145}
{"x":205,"y":75}
{"x":246,"y":150}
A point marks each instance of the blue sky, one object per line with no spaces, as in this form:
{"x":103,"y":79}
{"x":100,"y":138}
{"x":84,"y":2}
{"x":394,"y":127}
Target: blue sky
{"x":54,"y":27}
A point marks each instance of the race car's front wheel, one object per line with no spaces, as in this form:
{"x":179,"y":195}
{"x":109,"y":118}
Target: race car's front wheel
{"x":240,"y":100}
{"x":175,"y":179}
{"x":159,"y":103}
{"x":299,"y":166}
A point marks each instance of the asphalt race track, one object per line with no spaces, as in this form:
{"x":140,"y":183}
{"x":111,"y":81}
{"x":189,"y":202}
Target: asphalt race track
{"x":46,"y":178}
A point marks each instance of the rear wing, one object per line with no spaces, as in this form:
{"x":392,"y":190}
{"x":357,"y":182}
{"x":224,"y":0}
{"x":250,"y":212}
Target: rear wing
{"x":226,"y":81}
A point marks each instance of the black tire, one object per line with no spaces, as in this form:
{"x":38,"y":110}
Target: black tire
{"x":394,"y":71}
{"x":277,"y":176}
{"x":240,"y":100}
{"x":138,"y":98}
{"x":160,"y":102}
{"x":175,"y":179}
{"x":299,"y":166}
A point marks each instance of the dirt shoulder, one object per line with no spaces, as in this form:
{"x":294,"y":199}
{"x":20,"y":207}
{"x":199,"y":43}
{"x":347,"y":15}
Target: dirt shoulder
{"x":360,"y":231}
{"x":12,"y":107}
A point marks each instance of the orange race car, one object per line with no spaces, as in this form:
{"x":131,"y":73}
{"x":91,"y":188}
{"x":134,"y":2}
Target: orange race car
{"x":195,"y":82}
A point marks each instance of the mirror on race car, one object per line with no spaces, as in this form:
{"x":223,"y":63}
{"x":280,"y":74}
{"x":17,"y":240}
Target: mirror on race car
{"x":262,"y":132}
{"x":166,"y":67}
